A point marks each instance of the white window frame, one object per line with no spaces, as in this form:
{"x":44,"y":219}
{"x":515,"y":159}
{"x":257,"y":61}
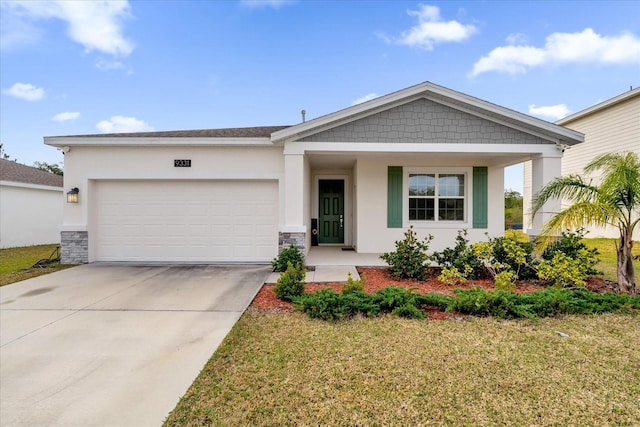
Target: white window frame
{"x":436,"y":223}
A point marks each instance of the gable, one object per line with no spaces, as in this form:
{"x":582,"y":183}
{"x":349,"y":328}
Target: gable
{"x":425,"y":121}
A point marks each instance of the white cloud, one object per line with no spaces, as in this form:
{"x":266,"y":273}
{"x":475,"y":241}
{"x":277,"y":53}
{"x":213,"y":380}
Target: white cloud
{"x":26,"y":91}
{"x":583,"y":47}
{"x":276,"y":4}
{"x":108,"y":65}
{"x":118,"y":124}
{"x":431,"y":29}
{"x":555,"y":112}
{"x":67,"y":115}
{"x":365,"y":98}
{"x":97,"y":25}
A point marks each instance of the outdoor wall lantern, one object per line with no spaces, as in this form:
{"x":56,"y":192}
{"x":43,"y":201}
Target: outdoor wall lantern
{"x":72,"y":195}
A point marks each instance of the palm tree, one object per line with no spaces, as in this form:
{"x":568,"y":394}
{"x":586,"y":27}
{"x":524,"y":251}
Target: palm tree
{"x":614,"y":201}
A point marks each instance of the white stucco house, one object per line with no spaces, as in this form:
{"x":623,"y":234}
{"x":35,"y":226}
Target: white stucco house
{"x":610,"y":126}
{"x":425,"y":156}
{"x":31,"y":203}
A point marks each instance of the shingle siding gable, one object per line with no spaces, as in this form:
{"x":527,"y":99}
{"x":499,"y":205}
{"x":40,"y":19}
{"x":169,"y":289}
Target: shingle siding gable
{"x":425,"y":121}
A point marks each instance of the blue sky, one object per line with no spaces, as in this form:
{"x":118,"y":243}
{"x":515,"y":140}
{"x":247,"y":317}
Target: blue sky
{"x":89,"y":67}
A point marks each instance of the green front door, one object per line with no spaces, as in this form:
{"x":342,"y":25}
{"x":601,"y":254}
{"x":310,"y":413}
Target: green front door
{"x":331,"y":221}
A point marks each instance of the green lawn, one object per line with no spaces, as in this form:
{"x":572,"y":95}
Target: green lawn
{"x":16,"y":263}
{"x":286,"y":369}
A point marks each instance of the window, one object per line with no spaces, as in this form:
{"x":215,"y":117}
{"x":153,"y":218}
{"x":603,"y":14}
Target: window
{"x":436,"y":197}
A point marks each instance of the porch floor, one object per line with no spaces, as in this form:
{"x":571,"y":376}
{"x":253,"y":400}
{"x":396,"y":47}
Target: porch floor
{"x":332,"y":264}
{"x":334,"y":256}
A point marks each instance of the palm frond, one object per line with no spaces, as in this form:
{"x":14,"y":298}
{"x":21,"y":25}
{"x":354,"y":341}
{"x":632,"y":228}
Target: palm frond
{"x":570,"y":187}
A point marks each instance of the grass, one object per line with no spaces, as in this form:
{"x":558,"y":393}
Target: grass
{"x":286,"y":369}
{"x":607,"y":250}
{"x":16,"y":263}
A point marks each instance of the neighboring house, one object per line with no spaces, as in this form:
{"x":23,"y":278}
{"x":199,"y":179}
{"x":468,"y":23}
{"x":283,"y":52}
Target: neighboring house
{"x":610,"y":126}
{"x":31,"y":203}
{"x":425,"y":156}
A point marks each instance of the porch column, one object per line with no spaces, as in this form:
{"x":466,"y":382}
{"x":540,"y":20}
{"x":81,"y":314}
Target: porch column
{"x":543,"y":171}
{"x":293,"y":231}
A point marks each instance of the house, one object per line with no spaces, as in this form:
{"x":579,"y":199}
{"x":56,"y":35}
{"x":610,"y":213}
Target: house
{"x":31,"y":205}
{"x":425,"y":156}
{"x":610,"y":126}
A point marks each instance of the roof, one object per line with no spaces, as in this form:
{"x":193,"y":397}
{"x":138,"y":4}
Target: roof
{"x":440,"y":94}
{"x":244,"y":132}
{"x":601,"y":106}
{"x":16,"y":172}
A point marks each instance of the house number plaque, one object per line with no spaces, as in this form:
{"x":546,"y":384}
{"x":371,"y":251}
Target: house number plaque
{"x":182,"y":163}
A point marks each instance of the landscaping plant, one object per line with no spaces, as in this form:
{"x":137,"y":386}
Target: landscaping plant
{"x":410,"y":259}
{"x":288,"y":255}
{"x":353,"y":285}
{"x":461,"y":257}
{"x":290,"y":284}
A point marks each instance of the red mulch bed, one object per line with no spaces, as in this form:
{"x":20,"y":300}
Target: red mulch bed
{"x":379,"y":278}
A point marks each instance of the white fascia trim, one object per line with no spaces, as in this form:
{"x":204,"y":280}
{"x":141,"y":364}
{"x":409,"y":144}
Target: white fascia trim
{"x":32,"y":186}
{"x":601,"y":106}
{"x":546,"y":150}
{"x":415,"y":92}
{"x":71,"y":141}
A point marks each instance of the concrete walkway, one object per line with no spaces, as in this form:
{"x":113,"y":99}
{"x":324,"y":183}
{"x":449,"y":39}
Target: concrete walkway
{"x":324,"y":274}
{"x":100,"y":345}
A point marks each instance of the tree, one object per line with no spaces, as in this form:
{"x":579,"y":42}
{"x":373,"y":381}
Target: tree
{"x":614,"y":201}
{"x":512,"y":208}
{"x":49,"y":167}
{"x":3,"y":154}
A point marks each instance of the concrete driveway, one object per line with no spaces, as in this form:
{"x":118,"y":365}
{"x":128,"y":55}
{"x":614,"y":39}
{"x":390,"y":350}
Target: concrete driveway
{"x":116,"y":345}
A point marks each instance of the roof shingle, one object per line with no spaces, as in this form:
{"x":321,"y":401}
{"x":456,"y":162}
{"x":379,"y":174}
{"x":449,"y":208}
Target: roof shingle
{"x":16,"y":172}
{"x":246,"y":132}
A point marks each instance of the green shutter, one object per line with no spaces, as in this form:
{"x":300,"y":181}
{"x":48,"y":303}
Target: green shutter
{"x":394,"y":197}
{"x":480,"y":197}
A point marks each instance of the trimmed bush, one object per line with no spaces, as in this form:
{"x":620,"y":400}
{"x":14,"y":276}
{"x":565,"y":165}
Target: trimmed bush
{"x":353,"y":285}
{"x":288,"y":255}
{"x":461,"y":257}
{"x":290,"y":284}
{"x":409,"y":260}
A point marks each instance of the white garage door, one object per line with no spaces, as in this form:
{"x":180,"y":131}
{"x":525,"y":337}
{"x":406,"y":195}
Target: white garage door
{"x":190,"y":221}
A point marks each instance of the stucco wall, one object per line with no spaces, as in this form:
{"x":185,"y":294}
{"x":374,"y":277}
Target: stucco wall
{"x":425,"y":121}
{"x":373,"y":235}
{"x":29,"y":214}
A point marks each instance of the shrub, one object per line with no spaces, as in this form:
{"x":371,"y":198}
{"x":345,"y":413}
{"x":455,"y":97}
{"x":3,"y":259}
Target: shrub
{"x":354,"y":285}
{"x":409,"y":260}
{"x":327,"y":304}
{"x":502,"y":250}
{"x":435,"y":299}
{"x":570,"y":244}
{"x":550,"y":302}
{"x":461,"y":257}
{"x":451,"y":276}
{"x":290,"y":284}
{"x":288,"y":255}
{"x":563,"y":271}
{"x":505,"y":280}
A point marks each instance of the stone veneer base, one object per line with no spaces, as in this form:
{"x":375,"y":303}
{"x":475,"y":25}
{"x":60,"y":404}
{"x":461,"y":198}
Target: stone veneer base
{"x":74,"y":247}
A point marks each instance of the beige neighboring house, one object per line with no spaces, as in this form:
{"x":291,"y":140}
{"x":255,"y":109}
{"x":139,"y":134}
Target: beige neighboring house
{"x":610,"y":126}
{"x":425,"y":156}
{"x":31,"y":202}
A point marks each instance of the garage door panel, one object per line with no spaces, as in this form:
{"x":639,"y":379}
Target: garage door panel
{"x":205,"y":221}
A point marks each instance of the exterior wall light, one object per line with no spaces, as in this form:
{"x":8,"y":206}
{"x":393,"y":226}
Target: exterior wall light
{"x":72,"y":195}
